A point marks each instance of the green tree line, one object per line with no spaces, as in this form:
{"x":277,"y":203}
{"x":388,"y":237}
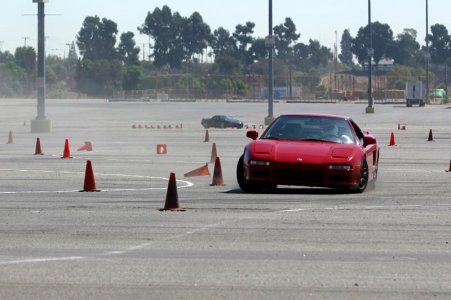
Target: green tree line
{"x":184,"y":52}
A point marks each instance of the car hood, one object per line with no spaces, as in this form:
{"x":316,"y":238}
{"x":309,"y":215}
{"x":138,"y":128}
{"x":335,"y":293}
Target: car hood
{"x":303,"y":151}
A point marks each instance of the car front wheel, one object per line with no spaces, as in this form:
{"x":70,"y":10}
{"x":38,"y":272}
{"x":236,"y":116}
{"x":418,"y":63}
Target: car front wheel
{"x":363,"y":181}
{"x":249,"y":187}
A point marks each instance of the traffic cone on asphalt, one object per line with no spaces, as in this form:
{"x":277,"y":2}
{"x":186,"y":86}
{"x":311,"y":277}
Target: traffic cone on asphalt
{"x":38,"y":150}
{"x":172,"y":198}
{"x":10,"y":138}
{"x":214,"y":153}
{"x":87,"y":146}
{"x":90,"y":183}
{"x":392,"y":140}
{"x":207,"y":136}
{"x":449,"y":169}
{"x":202,"y":171}
{"x":217,"y":173}
{"x":66,"y":153}
{"x":430,"y":138}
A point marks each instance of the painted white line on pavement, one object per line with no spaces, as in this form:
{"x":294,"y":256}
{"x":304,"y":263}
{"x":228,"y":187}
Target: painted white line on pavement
{"x":185,"y":184}
{"x":40,"y":260}
{"x":374,"y":207}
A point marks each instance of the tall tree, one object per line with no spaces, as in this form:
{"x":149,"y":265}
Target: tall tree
{"x":97,"y":38}
{"x":345,"y":44}
{"x":404,"y":49}
{"x":319,"y":55}
{"x":382,"y":38}
{"x":244,"y":40}
{"x":25,"y":57}
{"x":222,"y":43}
{"x":196,"y":34}
{"x":164,"y":28}
{"x":440,"y":43}
{"x":286,"y":36}
{"x":6,"y":57}
{"x":176,"y":38}
{"x":127,"y":50}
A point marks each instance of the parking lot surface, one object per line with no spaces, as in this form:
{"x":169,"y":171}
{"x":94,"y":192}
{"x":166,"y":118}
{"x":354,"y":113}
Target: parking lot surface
{"x":391,"y":242}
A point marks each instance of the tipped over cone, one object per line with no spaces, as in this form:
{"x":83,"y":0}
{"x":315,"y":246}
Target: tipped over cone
{"x":217,"y":173}
{"x":38,"y":150}
{"x":392,"y":140}
{"x":430,"y":138}
{"x":87,"y":146}
{"x":172,"y":198}
{"x":90,"y":183}
{"x":10,"y":138}
{"x":202,"y":171}
{"x":66,"y":153}
{"x":214,"y":153}
{"x":207,"y":136}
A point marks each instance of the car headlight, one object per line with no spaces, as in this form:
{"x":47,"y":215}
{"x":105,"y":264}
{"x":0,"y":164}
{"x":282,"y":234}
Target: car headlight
{"x":261,"y":163}
{"x":340,"y":167}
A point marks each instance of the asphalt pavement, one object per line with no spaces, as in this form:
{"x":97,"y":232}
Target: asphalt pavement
{"x":391,"y":242}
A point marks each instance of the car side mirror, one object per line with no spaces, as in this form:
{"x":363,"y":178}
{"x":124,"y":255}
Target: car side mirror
{"x":368,"y":140}
{"x":252,"y":134}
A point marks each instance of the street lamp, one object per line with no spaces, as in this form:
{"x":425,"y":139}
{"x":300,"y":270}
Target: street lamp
{"x":270,"y":42}
{"x":41,"y":124}
{"x":427,"y":55}
{"x":370,"y":108}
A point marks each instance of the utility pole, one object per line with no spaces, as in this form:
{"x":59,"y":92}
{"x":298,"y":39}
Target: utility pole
{"x":370,"y":108}
{"x":335,"y":64}
{"x":427,"y":55}
{"x":41,"y":124}
{"x":25,"y":38}
{"x":269,"y":44}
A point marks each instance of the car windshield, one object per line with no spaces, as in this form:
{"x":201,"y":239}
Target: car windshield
{"x":311,"y":128}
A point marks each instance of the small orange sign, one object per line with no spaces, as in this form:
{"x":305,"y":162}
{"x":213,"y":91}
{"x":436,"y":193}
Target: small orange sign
{"x":162,"y":149}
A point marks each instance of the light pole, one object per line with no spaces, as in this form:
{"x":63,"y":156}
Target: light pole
{"x":427,"y":55}
{"x":269,"y":44}
{"x":41,"y":124}
{"x":370,"y":108}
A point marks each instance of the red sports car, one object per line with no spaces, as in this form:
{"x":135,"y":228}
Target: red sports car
{"x":309,"y":150}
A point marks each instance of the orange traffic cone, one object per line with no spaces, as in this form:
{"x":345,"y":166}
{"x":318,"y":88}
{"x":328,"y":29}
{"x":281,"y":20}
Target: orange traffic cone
{"x":202,"y":171}
{"x":430,"y":138}
{"x":10,"y":138}
{"x":66,"y":153}
{"x":449,"y":169}
{"x":87,"y":146}
{"x":214,"y":153}
{"x":172,"y":198}
{"x":207,"y":136}
{"x":162,"y":149}
{"x":392,"y":140}
{"x":90,"y":183}
{"x":217,"y":173}
{"x":38,"y":150}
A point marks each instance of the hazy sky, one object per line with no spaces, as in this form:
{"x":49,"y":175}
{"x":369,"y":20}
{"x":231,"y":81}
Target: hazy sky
{"x":317,"y":19}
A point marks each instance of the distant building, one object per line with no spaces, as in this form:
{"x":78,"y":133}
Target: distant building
{"x":385,"y":65}
{"x":282,"y":92}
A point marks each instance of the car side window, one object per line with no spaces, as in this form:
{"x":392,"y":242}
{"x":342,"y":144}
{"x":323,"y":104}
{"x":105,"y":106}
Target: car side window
{"x":357,"y":131}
